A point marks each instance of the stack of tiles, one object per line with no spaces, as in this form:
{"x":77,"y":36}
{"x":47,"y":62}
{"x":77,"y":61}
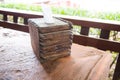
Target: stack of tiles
{"x":50,"y":41}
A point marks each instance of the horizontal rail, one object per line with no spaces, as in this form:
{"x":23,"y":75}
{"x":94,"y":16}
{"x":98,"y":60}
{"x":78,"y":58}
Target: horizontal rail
{"x":98,"y":43}
{"x":96,"y":23}
{"x":20,"y":13}
{"x":15,"y":26}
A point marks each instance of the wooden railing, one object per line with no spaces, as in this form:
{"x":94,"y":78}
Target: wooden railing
{"x":101,"y":43}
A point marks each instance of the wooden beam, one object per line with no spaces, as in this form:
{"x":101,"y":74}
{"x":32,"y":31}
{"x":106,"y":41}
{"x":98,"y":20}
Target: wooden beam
{"x":95,"y":23}
{"x":116,"y":75}
{"x":21,"y":13}
{"x":25,"y":20}
{"x":105,"y":34}
{"x":84,"y":30}
{"x":5,"y":17}
{"x":14,"y":26}
{"x":102,"y":44}
{"x":15,"y":19}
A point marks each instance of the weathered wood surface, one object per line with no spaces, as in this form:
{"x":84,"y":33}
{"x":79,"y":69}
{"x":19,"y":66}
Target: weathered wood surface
{"x":18,"y":62}
{"x":55,"y":47}
{"x":59,"y":25}
{"x":56,"y":42}
{"x":56,"y":35}
{"x":49,"y":37}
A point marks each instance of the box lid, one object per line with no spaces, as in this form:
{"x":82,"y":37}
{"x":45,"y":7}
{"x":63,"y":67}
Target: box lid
{"x":58,"y":25}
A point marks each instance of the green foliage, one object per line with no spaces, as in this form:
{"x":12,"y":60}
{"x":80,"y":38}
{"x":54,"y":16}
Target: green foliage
{"x":69,"y":11}
{"x":22,"y":7}
{"x":76,"y":29}
{"x":108,"y":15}
{"x":66,"y":11}
{"x":94,"y":31}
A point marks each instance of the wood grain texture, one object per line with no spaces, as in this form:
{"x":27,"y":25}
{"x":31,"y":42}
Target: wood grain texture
{"x":18,"y":62}
{"x":54,"y":35}
{"x":43,"y":27}
{"x":55,"y":47}
{"x":102,"y":44}
{"x":14,"y":26}
{"x":47,"y":38}
{"x":34,"y":39}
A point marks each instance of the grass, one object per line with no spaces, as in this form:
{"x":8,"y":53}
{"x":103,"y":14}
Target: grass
{"x":21,"y":7}
{"x":66,"y":11}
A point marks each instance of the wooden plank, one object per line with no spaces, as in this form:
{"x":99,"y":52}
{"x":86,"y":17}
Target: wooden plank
{"x":50,"y":35}
{"x":84,"y":30}
{"x":116,"y":75}
{"x":59,"y":25}
{"x":15,"y":19}
{"x":84,"y":63}
{"x":105,"y":34}
{"x":5,"y":17}
{"x":95,"y":23}
{"x":98,"y":43}
{"x":21,"y":13}
{"x":14,"y":26}
{"x":25,"y":20}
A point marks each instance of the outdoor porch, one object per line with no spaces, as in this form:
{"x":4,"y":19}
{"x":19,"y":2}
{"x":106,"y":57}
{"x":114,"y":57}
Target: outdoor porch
{"x":83,"y":39}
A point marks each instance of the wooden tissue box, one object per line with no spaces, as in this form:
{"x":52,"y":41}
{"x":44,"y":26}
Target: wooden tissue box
{"x":50,"y":41}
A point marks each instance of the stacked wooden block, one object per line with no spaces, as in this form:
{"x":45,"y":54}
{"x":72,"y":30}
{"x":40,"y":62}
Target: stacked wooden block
{"x":50,"y":41}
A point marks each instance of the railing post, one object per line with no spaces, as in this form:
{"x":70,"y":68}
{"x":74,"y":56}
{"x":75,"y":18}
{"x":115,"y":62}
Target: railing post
{"x":25,"y":20}
{"x":5,"y":17}
{"x":84,"y":30}
{"x":105,"y":34}
{"x":15,"y":19}
{"x":116,"y":75}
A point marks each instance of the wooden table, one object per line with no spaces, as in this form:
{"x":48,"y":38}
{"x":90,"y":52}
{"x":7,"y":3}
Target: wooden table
{"x":18,"y":62}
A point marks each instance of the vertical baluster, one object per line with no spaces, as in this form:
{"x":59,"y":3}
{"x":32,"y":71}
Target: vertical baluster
{"x":25,"y":20}
{"x":116,"y":75}
{"x":5,"y":17}
{"x":84,"y":30}
{"x":15,"y":19}
{"x":105,"y":34}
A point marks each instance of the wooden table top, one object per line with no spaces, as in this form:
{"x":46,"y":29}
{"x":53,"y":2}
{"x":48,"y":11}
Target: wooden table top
{"x":18,"y":62}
